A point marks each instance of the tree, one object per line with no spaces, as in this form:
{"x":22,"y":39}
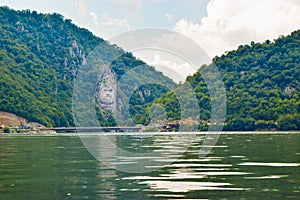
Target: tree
{"x":289,"y":122}
{"x":6,"y":129}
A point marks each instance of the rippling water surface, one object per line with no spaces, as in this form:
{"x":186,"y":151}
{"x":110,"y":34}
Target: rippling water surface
{"x":150,"y":166}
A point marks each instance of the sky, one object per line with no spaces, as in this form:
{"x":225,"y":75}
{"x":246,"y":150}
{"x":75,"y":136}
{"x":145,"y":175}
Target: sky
{"x":215,"y":25}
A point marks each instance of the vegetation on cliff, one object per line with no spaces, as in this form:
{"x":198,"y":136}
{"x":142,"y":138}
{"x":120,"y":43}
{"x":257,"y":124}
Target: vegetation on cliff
{"x":40,"y":55}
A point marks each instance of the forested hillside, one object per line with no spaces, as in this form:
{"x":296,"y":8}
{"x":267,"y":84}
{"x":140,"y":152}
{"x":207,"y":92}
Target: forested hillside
{"x":40,"y":55}
{"x":39,"y":58}
{"x":262,"y":86}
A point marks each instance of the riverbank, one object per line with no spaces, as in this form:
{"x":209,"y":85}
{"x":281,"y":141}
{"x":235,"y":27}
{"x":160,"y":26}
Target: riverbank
{"x":148,"y":134}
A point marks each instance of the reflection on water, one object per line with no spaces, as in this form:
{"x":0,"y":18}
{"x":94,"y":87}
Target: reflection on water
{"x":241,"y":166}
{"x":268,"y":177}
{"x":137,"y":153}
{"x":270,"y":164}
{"x":183,"y":186}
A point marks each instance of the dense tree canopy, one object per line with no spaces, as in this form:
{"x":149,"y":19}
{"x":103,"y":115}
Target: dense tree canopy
{"x":262,"y":86}
{"x":40,"y":55}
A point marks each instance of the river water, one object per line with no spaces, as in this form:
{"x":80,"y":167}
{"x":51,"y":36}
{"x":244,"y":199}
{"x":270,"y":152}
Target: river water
{"x":61,"y":166}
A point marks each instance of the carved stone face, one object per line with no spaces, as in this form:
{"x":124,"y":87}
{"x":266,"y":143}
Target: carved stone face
{"x":106,"y":91}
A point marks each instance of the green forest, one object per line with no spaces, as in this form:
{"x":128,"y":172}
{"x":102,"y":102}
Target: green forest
{"x":40,"y":55}
{"x":262,"y":86}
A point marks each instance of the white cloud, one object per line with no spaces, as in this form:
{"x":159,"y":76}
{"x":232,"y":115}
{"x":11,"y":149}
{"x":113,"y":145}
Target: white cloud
{"x":176,"y":71}
{"x":169,"y":64}
{"x":94,"y":18}
{"x":128,"y":8}
{"x":80,"y":6}
{"x":116,"y":22}
{"x":169,"y":16}
{"x":230,"y":23}
{"x":175,"y":55}
{"x":158,"y":1}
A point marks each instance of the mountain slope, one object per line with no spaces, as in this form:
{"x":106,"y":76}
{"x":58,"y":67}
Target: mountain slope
{"x":262,"y":86}
{"x":40,"y":55}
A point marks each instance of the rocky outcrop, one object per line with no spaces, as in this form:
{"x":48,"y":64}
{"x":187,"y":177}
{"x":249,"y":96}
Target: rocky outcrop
{"x":10,"y":119}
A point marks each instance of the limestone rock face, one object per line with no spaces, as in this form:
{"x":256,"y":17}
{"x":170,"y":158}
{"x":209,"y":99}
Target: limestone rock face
{"x":106,"y":89}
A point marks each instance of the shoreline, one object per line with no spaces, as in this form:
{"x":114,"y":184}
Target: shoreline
{"x":154,"y":133}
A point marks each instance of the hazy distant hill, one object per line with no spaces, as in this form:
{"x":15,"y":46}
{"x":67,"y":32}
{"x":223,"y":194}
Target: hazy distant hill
{"x":262,"y":86}
{"x":39,"y":58}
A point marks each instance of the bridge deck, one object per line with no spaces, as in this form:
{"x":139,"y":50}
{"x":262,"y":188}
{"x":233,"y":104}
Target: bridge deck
{"x":93,"y":129}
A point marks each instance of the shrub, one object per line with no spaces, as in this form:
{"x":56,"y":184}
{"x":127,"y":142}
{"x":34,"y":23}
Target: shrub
{"x":6,"y":129}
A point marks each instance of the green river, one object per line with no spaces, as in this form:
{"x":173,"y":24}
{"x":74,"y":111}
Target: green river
{"x":239,"y":166}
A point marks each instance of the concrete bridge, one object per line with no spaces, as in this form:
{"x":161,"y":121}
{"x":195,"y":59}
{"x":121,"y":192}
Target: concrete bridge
{"x":93,"y":129}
